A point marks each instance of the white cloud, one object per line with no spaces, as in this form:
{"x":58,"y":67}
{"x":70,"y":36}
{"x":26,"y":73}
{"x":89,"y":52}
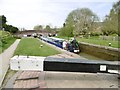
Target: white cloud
{"x":28,"y":13}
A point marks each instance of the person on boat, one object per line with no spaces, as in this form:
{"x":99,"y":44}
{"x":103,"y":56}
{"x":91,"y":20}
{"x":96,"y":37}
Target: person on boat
{"x":67,"y":45}
{"x":75,"y":44}
{"x":64,"y":44}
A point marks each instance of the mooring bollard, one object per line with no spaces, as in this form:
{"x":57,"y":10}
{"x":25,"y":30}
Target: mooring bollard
{"x":109,"y":44}
{"x":41,"y":46}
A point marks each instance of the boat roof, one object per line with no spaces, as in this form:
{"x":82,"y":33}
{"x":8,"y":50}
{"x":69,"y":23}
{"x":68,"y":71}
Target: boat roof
{"x":56,"y":38}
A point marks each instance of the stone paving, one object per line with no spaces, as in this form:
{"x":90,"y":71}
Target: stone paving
{"x":48,"y":79}
{"x":81,"y":80}
{"x":29,"y":79}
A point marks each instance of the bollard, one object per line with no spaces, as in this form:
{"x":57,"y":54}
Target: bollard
{"x":109,"y":44}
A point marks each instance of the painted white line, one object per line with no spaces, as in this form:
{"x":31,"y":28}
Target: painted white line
{"x":114,"y":71}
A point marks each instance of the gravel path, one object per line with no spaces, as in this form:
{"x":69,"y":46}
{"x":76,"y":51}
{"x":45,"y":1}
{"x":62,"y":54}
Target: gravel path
{"x":4,"y":60}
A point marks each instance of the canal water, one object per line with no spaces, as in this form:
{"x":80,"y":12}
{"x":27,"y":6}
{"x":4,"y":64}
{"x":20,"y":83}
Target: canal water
{"x":88,"y":56}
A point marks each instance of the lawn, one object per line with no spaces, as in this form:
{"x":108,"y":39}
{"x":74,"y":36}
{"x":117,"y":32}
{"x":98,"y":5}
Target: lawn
{"x":96,"y":40}
{"x":32,"y":47}
{"x":6,"y":39}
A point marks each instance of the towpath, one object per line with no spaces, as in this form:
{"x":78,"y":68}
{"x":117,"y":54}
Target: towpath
{"x":5,"y":59}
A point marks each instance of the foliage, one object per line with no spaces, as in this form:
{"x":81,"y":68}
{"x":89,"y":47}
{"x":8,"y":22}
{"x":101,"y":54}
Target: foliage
{"x":6,"y":39}
{"x":48,"y":28}
{"x":66,"y":31}
{"x":110,"y":25}
{"x":95,"y":34}
{"x":6,"y":27}
{"x":82,"y":20}
{"x":32,"y":47}
{"x":38,"y":27}
{"x":11,"y":28}
{"x":3,"y":20}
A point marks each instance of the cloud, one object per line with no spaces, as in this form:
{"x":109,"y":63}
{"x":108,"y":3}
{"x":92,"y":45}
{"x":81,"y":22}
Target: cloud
{"x":28,"y":13}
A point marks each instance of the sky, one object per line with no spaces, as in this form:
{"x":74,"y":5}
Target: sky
{"x":28,"y":13}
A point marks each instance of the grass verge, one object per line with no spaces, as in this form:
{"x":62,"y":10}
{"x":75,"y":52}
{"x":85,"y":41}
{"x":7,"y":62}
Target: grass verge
{"x":10,"y":73}
{"x":96,"y":40}
{"x":6,"y":39}
{"x":32,"y":47}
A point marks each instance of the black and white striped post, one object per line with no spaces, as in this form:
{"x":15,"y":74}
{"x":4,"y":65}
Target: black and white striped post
{"x":63,"y":65}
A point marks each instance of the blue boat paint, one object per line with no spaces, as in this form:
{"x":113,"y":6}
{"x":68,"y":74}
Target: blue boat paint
{"x":57,"y":42}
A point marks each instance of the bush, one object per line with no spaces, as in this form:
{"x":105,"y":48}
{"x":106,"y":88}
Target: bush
{"x":4,"y":41}
{"x":95,"y":34}
{"x":17,"y":37}
{"x":114,"y":35}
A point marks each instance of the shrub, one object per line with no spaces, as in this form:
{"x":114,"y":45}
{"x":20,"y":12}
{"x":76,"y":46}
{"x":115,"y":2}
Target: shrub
{"x":17,"y":37}
{"x":95,"y":34}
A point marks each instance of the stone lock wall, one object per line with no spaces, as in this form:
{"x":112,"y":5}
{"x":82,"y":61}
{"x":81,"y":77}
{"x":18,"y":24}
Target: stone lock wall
{"x":103,"y":52}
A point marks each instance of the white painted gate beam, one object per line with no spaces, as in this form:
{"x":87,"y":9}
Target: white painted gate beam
{"x":27,"y":63}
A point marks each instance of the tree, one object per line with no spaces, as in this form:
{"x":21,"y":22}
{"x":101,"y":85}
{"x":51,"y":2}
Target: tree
{"x":38,"y":27}
{"x":110,"y":24}
{"x":6,"y":27}
{"x":2,"y":21}
{"x":3,"y":18}
{"x":66,"y":31}
{"x":119,"y":22}
{"x":48,"y":28}
{"x":11,"y":29}
{"x":82,"y":20}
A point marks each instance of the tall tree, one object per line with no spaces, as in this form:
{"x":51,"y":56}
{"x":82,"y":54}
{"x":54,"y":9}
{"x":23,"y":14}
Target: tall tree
{"x":110,"y":25}
{"x":3,"y":21}
{"x":38,"y":27}
{"x":7,"y":27}
{"x":11,"y":28}
{"x":66,"y":31}
{"x":82,"y":19}
{"x":48,"y":28}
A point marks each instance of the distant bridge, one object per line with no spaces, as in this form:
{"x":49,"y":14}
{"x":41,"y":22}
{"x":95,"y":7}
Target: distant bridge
{"x":31,"y":32}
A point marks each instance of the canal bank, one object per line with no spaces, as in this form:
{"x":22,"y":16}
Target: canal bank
{"x":103,"y":52}
{"x":5,"y":60}
{"x":55,"y":80}
{"x":100,"y":52}
{"x":64,"y":53}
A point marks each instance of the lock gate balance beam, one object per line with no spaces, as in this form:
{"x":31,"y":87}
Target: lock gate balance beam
{"x":63,"y":64}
